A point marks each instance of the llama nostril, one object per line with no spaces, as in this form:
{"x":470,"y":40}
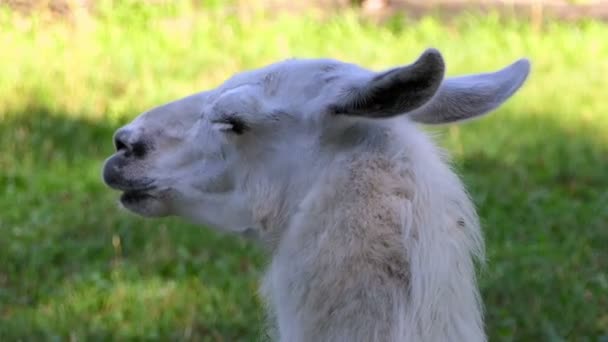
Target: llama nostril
{"x":120,"y":141}
{"x":119,"y":145}
{"x":124,"y":143}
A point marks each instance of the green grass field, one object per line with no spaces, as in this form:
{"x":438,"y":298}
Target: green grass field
{"x":73,"y":266}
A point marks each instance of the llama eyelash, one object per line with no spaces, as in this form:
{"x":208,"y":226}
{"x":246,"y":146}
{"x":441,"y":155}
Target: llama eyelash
{"x":231,"y":123}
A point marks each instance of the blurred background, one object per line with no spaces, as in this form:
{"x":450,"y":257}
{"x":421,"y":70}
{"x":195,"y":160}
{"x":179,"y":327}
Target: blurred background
{"x":73,"y":266}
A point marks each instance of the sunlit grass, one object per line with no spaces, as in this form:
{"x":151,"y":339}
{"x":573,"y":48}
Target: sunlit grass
{"x":73,"y":265}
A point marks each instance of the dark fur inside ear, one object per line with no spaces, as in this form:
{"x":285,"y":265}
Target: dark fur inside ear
{"x":396,"y":91}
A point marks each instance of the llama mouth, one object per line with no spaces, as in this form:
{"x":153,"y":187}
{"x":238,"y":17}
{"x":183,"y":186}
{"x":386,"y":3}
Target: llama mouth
{"x":134,"y":196}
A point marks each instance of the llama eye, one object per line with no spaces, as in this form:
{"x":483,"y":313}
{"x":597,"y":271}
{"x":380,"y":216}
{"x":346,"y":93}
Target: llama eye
{"x":231,"y":124}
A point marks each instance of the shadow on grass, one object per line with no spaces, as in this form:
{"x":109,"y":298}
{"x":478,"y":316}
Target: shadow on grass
{"x":540,"y":187}
{"x":72,"y":263}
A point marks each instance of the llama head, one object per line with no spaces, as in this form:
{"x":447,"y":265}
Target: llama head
{"x":257,"y":142}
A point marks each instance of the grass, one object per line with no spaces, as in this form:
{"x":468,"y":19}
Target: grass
{"x":74,"y":266}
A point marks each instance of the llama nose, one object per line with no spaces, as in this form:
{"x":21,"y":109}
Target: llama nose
{"x":124,"y":142}
{"x":121,"y":139}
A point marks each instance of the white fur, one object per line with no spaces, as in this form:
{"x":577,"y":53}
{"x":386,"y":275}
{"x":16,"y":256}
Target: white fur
{"x":373,"y":237}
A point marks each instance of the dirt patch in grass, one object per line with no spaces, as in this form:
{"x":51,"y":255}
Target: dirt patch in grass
{"x":535,"y":10}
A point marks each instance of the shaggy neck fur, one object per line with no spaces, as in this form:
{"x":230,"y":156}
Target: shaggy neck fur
{"x":391,"y":223}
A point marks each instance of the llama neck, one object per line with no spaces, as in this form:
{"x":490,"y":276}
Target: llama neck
{"x":443,"y":240}
{"x":400,"y":227}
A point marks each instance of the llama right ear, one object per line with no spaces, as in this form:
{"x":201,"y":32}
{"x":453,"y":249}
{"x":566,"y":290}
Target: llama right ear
{"x":466,"y":97}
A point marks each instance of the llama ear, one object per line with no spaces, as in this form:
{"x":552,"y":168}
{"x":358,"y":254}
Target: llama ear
{"x":466,"y":97}
{"x":395,"y":91}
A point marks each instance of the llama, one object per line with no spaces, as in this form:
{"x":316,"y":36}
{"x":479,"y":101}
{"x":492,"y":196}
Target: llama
{"x":372,"y":236}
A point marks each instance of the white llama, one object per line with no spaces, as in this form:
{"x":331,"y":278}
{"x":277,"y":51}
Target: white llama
{"x":373,"y":237}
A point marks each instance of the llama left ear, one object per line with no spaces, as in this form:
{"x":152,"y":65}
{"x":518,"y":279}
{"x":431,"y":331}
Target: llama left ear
{"x":394,"y":92}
